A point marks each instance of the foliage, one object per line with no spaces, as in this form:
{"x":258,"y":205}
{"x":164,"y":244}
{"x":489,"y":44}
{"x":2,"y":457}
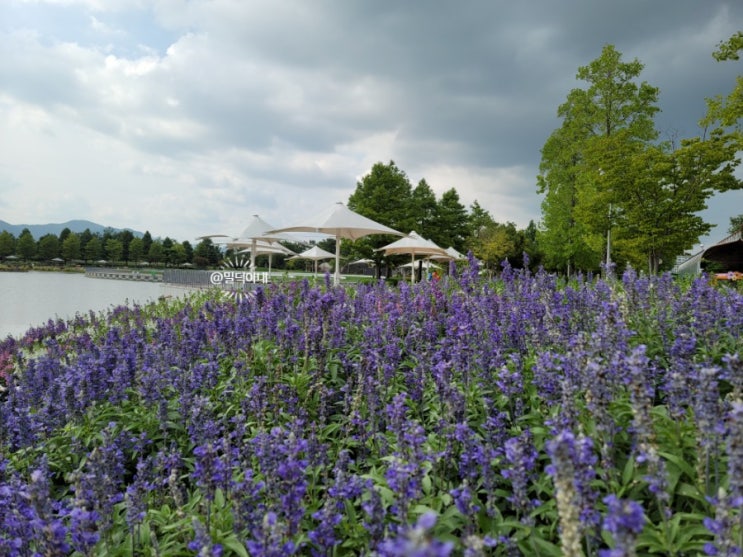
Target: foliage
{"x":736,"y":224}
{"x":462,"y":416}
{"x":728,"y":111}
{"x":612,"y":192}
{"x":451,"y":223}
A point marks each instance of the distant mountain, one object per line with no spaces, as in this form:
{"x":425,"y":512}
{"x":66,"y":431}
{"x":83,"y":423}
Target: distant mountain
{"x":39,"y":230}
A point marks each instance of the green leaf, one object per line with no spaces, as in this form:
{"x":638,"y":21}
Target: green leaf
{"x":236,"y":546}
{"x":543,"y":547}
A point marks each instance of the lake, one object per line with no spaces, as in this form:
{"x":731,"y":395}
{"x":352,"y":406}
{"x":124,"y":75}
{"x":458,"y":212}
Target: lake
{"x":30,"y":299}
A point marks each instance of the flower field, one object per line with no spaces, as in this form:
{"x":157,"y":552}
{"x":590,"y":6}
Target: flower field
{"x":520,"y":416}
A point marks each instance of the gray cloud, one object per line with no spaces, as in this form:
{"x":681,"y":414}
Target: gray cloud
{"x":215,"y":109}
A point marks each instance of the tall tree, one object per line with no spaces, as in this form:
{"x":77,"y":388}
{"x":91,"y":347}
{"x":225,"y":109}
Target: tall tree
{"x":424,"y":206}
{"x":168,"y":255}
{"x":188,"y":250}
{"x":26,"y":246}
{"x":157,"y":252}
{"x":385,"y":196}
{"x":452,"y":227}
{"x":532,"y":248}
{"x":136,"y":250}
{"x":48,"y":248}
{"x":114,"y":249}
{"x":125,"y":237}
{"x":71,"y":247}
{"x":562,"y":235}
{"x":581,"y":202}
{"x":666,"y":188}
{"x":146,"y":241}
{"x":206,"y":253}
{"x":64,"y":234}
{"x":93,"y":250}
{"x":7,"y":244}
{"x":85,"y":237}
{"x":479,"y":220}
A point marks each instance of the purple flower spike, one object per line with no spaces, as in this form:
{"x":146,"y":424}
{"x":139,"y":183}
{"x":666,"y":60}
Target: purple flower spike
{"x":625,"y":520}
{"x":416,"y":541}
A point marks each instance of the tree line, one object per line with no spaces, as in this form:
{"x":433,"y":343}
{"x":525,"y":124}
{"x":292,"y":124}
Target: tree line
{"x":111,"y":246}
{"x":615,"y":192}
{"x":387,"y":196}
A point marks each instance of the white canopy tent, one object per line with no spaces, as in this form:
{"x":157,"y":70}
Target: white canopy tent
{"x":314,"y":254}
{"x":262,"y":247}
{"x":257,"y":230}
{"x":414,"y":244}
{"x":340,"y":222}
{"x":451,"y":254}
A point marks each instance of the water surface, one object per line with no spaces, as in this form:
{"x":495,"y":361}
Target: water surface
{"x":30,"y":299}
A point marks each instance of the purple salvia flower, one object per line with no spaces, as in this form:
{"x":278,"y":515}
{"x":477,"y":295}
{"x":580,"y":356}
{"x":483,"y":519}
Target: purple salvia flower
{"x":136,"y":495}
{"x":249,"y":504}
{"x":346,"y":488}
{"x":475,"y":546}
{"x":284,"y":462}
{"x":466,"y":504}
{"x":375,"y":513}
{"x":624,"y":520}
{"x":271,"y":540}
{"x":416,"y":541}
{"x":724,"y":526}
{"x":520,"y":462}
{"x":572,"y":470}
{"x":735,"y":450}
{"x":202,"y":543}
{"x":50,"y":531}
{"x":707,"y":407}
{"x":734,"y":374}
{"x":84,"y":529}
{"x":641,"y":397}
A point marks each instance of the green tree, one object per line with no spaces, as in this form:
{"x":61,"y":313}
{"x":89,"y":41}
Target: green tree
{"x":114,"y":250}
{"x":71,"y":247}
{"x":206,"y":254}
{"x":736,"y":224}
{"x":136,"y":250}
{"x":451,"y":223}
{"x":125,"y":237}
{"x":7,"y":244}
{"x":562,"y":235}
{"x":479,"y":221}
{"x":500,"y":242}
{"x":26,"y":246}
{"x":581,"y":201}
{"x":532,"y":248}
{"x":64,"y":234}
{"x":85,"y":237}
{"x":424,"y":206}
{"x":48,"y":248}
{"x":178,"y":254}
{"x":188,"y":250}
{"x":93,"y":249}
{"x":168,"y":255}
{"x":385,"y":196}
{"x":146,"y":241}
{"x":156,"y":254}
{"x":665,"y":189}
{"x":728,"y":111}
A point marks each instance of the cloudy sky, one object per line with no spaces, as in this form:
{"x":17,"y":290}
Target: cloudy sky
{"x":185,"y":117}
